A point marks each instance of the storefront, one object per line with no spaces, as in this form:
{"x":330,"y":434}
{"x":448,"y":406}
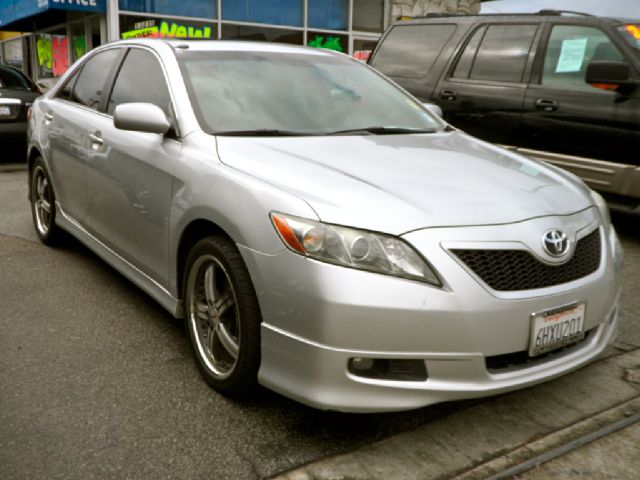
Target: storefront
{"x":60,"y":31}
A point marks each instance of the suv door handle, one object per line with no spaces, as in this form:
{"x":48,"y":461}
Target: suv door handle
{"x":448,"y":95}
{"x":546,"y":105}
{"x":48,"y":118}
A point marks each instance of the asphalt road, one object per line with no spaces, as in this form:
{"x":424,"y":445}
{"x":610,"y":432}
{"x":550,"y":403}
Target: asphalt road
{"x":96,"y":380}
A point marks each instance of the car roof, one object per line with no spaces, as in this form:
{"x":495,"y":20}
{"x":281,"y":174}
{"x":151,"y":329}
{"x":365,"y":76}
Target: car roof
{"x":227,"y":46}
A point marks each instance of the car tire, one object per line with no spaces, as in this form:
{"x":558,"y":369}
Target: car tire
{"x":222,"y":316}
{"x":43,"y":206}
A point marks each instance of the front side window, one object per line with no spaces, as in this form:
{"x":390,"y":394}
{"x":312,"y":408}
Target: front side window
{"x":570,"y":50}
{"x":88,"y":88}
{"x":140,"y":80}
{"x":313,"y":94}
{"x":411,"y":50}
{"x":66,"y":92}
{"x":503,"y":53}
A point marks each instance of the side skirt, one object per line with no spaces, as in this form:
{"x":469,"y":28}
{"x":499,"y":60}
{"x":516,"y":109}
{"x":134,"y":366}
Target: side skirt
{"x":132,"y":273}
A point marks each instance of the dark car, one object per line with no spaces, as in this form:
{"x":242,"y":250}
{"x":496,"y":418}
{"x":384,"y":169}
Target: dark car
{"x":559,"y":86}
{"x":17,"y":93}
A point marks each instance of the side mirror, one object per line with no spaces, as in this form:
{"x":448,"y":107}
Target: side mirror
{"x":609,"y":75}
{"x":433,"y":108}
{"x":141,"y":117}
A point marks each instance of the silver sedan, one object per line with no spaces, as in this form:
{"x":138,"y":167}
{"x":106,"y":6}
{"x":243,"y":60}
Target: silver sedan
{"x":321,"y":232}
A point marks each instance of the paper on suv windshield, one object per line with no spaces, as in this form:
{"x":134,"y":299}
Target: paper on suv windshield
{"x":571,"y":55}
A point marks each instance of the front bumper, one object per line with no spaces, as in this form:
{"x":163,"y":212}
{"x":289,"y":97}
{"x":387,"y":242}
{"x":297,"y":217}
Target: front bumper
{"x":316,"y":317}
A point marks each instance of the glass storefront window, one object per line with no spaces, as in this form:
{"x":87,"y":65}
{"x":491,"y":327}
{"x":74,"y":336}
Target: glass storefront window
{"x":139,"y":27}
{"x":260,"y":34}
{"x":185,"y":8}
{"x":329,"y":14}
{"x":368,"y":15}
{"x":78,"y":41}
{"x":339,"y":43}
{"x":12,"y":53}
{"x":275,"y":12}
{"x":52,"y":54}
{"x":362,"y":48}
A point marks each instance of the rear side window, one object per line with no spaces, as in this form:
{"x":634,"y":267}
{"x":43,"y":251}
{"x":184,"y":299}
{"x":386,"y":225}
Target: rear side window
{"x":87,"y":90}
{"x":570,"y":49}
{"x":411,"y":50}
{"x":497,"y":53}
{"x":140,"y":80}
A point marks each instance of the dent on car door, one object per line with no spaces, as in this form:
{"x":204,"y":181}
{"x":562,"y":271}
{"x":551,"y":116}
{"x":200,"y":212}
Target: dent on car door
{"x":129,"y":173}
{"x":67,"y":118}
{"x":569,"y":116}
{"x":483,"y":91}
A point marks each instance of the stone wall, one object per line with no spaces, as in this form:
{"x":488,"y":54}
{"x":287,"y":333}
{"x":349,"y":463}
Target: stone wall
{"x":418,"y":8}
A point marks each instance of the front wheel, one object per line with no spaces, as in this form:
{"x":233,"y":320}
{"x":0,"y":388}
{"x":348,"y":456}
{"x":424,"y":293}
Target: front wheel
{"x":222,"y":316}
{"x":43,"y":208}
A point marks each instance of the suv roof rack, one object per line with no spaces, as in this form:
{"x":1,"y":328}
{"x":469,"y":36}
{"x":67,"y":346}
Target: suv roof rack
{"x":510,"y":14}
{"x":563,"y":12}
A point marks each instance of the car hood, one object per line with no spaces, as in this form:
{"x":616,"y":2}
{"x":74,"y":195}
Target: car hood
{"x":399,"y":183}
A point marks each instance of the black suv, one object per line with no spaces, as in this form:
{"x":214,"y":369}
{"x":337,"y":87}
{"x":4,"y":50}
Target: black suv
{"x":17,"y":93}
{"x":559,"y":86}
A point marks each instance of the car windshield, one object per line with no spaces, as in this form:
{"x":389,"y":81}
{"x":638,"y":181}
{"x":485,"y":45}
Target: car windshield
{"x":632,"y":34}
{"x":268,"y":93}
{"x":13,"y":80}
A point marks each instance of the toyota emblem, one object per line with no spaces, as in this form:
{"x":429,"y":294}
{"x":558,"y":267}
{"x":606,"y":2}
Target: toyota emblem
{"x":555,"y":242}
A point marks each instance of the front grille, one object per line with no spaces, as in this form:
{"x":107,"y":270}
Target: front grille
{"x":511,"y":270}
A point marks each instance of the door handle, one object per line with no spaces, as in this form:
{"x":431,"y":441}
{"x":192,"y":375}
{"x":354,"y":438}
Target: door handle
{"x":48,"y":118}
{"x":546,"y":105}
{"x":448,"y":95}
{"x":95,"y":139}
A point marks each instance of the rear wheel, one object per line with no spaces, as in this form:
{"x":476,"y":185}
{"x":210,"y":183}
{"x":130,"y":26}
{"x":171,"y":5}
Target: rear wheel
{"x":223,"y":317}
{"x":43,"y":208}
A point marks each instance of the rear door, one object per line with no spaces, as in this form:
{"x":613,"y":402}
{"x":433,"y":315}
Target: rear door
{"x":482,"y":91}
{"x":68,"y":120}
{"x":567,"y":115}
{"x":130,"y":174}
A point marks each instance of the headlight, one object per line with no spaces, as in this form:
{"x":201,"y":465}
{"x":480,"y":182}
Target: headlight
{"x":349,"y":247}
{"x":602,"y":206}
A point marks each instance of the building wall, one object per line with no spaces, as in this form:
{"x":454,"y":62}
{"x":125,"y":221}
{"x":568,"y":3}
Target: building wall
{"x":418,"y":8}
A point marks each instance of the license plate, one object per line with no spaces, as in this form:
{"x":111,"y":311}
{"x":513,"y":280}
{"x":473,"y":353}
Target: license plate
{"x":5,"y":111}
{"x":556,"y":328}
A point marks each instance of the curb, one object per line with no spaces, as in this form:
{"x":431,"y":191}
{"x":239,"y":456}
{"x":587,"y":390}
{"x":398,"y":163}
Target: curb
{"x":497,"y":434}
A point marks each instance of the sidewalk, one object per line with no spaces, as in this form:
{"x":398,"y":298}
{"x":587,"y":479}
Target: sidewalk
{"x":489,"y":438}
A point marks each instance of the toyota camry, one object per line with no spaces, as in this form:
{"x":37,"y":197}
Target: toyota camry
{"x":321,"y":232}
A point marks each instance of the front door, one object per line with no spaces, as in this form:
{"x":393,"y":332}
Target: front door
{"x":567,"y":115}
{"x":129,"y":174}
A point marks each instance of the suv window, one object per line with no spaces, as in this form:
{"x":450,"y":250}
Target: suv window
{"x":88,"y":88}
{"x":140,"y":80}
{"x":570,"y":50}
{"x":502,"y":54}
{"x":411,"y":50}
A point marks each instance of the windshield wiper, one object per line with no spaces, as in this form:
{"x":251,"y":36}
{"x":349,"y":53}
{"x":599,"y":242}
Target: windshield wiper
{"x":264,"y":132}
{"x":383,"y":130}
